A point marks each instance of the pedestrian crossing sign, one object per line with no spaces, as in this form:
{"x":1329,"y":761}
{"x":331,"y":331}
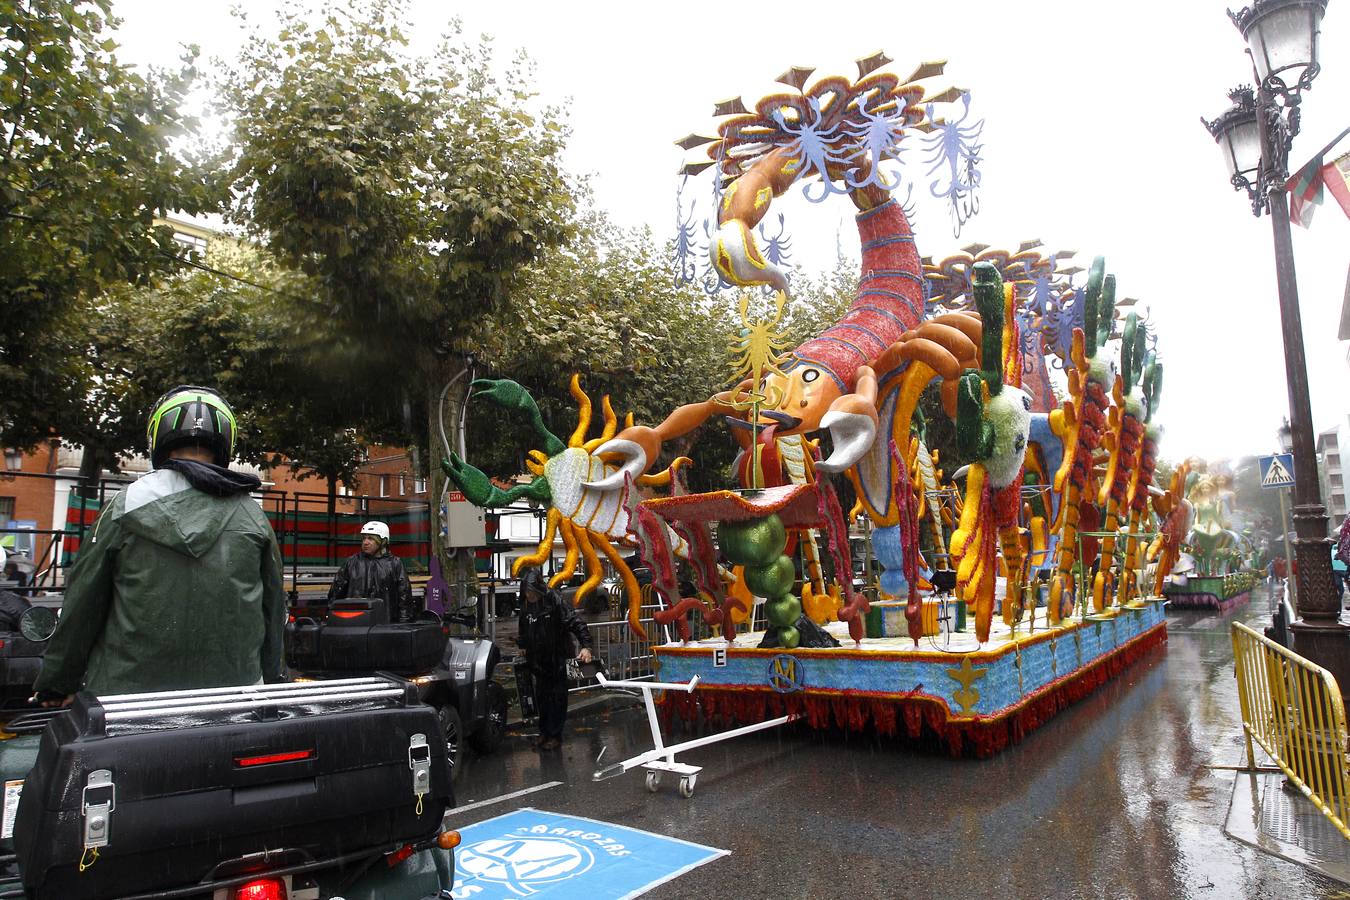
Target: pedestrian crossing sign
{"x":1277,"y":471}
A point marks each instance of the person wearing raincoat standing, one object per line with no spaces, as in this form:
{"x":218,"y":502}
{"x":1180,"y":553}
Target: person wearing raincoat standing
{"x":376,"y":573}
{"x":178,"y":583}
{"x":545,"y":629}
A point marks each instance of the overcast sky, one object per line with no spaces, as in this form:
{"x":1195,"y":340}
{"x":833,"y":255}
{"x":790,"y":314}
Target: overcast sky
{"x":1092,"y":141}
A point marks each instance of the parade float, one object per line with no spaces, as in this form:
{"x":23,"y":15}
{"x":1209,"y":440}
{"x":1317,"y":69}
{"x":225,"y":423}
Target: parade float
{"x":1219,"y":570}
{"x":1015,"y":581}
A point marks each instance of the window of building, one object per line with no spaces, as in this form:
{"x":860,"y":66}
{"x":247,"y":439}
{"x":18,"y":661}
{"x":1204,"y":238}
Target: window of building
{"x":419,"y":485}
{"x":1335,"y":479}
{"x":384,"y":485}
{"x":402,"y":485}
{"x":194,"y":243}
{"x":6,"y":509}
{"x":1334,"y":459}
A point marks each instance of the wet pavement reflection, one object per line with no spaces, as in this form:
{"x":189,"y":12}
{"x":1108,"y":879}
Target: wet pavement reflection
{"x":1115,"y":797}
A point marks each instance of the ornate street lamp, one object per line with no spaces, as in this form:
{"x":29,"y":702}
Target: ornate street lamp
{"x":1255,"y":135}
{"x":1283,"y":37}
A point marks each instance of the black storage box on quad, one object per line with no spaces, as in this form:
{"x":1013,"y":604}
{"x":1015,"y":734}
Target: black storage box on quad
{"x":20,"y":658}
{"x":181,"y":782}
{"x":20,"y":663}
{"x":357,"y":636}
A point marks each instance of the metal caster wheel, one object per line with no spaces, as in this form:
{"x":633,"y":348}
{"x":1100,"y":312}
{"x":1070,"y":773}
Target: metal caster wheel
{"x":653,"y":781}
{"x":687,"y":786}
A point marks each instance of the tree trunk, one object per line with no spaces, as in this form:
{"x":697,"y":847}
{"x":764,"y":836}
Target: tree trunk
{"x":457,"y":564}
{"x":330,"y":554}
{"x":91,"y":467}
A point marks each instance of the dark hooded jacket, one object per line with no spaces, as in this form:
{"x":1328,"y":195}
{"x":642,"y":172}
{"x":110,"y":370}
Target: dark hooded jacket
{"x":545,"y":625}
{"x":176,"y":586}
{"x":12,"y":607}
{"x":381,"y":576}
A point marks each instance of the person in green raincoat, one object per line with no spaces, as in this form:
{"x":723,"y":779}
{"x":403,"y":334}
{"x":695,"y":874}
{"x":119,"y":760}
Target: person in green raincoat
{"x":178,"y":583}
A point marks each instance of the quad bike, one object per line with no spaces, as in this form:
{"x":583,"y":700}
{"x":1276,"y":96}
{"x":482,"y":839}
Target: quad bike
{"x":453,"y":674}
{"x":291,"y":791}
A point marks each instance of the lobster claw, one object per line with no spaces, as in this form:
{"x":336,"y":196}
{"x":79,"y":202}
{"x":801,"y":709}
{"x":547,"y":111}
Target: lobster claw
{"x":476,"y":487}
{"x":853,"y":435}
{"x":633,"y":465}
{"x":852,"y":422}
{"x":739,"y":260}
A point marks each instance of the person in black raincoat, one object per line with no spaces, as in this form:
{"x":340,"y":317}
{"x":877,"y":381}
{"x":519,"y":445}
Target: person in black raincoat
{"x":547,"y":624}
{"x":376,"y":573}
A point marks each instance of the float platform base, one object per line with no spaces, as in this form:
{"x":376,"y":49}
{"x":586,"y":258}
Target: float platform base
{"x":1208,"y":601}
{"x":1218,"y":592}
{"x":973,"y":699}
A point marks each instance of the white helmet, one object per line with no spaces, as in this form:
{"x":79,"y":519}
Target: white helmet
{"x":378,"y":529}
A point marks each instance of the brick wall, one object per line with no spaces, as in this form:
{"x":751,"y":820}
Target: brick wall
{"x":32,"y":496}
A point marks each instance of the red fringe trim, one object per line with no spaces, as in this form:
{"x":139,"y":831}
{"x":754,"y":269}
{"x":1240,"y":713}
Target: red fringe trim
{"x":921,"y":717}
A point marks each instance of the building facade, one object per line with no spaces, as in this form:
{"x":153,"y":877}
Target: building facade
{"x":1332,"y":445}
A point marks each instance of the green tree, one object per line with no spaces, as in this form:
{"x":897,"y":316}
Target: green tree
{"x":613,"y":314}
{"x":85,"y":165}
{"x":241,"y":324}
{"x":414,"y":190}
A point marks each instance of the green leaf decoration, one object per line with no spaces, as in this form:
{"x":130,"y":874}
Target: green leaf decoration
{"x":1096,"y":275}
{"x":1141,"y":355}
{"x":1129,"y":361}
{"x":989,"y":302}
{"x":1153,"y":388}
{"x":1107,"y":314}
{"x":974,"y":436}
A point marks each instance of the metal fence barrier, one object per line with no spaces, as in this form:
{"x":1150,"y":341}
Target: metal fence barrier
{"x":626,"y":656}
{"x":1293,"y":709}
{"x":630,"y":658}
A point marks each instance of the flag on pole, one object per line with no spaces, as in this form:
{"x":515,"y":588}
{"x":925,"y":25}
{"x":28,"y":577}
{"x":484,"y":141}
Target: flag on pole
{"x":1305,"y":192}
{"x":1308,"y":185}
{"x":1336,"y":175}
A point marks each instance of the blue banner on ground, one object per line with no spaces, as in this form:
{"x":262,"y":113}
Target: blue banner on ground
{"x":532,"y":853}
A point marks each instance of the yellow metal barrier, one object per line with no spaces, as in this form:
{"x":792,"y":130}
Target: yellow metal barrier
{"x":1293,"y":709}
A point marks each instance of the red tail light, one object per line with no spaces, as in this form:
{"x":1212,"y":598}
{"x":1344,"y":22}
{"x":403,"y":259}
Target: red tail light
{"x":399,"y":855}
{"x":349,"y":613}
{"x":262,"y":889}
{"x":245,"y":762}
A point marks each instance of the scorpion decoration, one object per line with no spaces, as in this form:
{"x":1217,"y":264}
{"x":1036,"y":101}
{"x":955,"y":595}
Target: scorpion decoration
{"x":587,"y":518}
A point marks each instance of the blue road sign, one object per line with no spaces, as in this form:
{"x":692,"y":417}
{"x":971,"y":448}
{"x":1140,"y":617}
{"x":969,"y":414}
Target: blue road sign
{"x":532,"y":853}
{"x":1277,"y":471}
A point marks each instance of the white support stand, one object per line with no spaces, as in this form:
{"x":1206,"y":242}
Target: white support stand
{"x":662,"y":758}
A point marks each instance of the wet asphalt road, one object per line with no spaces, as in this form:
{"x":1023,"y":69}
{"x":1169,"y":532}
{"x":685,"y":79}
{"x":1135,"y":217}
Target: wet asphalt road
{"x":1113,"y":798}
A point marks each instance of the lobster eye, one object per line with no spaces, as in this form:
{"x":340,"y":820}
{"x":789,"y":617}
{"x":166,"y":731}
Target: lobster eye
{"x":1026,"y":403}
{"x":810,"y":375}
{"x":1020,"y":444}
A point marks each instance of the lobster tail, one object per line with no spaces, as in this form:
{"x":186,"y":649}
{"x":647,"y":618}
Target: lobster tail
{"x":889,"y":302}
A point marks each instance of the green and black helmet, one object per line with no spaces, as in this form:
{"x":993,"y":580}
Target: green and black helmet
{"x":187,"y":415}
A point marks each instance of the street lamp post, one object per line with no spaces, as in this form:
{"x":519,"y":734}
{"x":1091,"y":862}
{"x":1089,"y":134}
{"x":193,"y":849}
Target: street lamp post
{"x":1255,"y":135}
